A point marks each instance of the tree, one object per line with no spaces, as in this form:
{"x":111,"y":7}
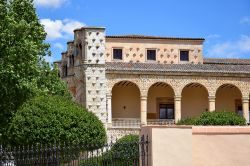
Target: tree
{"x":23,"y":70}
{"x":50,"y":119}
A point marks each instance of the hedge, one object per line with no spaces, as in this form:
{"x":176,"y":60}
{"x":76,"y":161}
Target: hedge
{"x":216,"y":118}
{"x":50,"y":119}
{"x":124,"y":152}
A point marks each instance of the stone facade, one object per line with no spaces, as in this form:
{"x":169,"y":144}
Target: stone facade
{"x":90,"y":70}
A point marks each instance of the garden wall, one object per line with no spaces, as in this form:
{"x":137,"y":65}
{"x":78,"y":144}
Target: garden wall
{"x":198,"y":145}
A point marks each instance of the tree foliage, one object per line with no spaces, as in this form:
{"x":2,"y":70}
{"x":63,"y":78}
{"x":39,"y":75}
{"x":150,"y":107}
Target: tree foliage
{"x":50,"y":119}
{"x":23,"y":71}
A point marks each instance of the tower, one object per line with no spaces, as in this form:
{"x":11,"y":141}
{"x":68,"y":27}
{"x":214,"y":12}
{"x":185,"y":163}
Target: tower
{"x":89,"y":48}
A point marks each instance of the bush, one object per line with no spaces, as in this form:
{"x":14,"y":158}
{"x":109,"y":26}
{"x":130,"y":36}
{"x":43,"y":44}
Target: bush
{"x":187,"y":121}
{"x":50,"y":119}
{"x":124,"y":152}
{"x":221,"y":118}
{"x":216,"y":118}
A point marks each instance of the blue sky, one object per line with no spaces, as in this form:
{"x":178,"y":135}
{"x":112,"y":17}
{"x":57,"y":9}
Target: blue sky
{"x":225,"y":24}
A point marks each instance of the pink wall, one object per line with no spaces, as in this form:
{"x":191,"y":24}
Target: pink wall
{"x":198,"y":145}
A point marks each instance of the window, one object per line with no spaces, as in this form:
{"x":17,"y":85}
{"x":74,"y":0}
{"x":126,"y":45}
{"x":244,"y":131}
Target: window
{"x":71,"y":60}
{"x":184,"y":56}
{"x":117,"y":54}
{"x":151,"y":55}
{"x":65,"y":70}
{"x":166,"y":111}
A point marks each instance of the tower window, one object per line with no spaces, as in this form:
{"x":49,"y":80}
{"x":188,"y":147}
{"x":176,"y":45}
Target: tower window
{"x":184,"y":56}
{"x":151,"y":55}
{"x":117,"y":54}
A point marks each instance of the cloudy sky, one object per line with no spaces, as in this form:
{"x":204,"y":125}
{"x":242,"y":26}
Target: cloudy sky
{"x":225,"y":24}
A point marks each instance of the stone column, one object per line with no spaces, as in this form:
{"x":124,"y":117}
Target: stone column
{"x":143,"y":110}
{"x":177,"y":106}
{"x":245,"y":108}
{"x":109,"y":108}
{"x":211,"y":100}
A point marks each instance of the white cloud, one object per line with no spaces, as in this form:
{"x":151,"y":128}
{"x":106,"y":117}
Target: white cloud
{"x":59,"y":46}
{"x":230,"y":49}
{"x":53,"y":28}
{"x":50,"y":3}
{"x":244,"y":43}
{"x":60,"y":28}
{"x":70,"y":25}
{"x":245,"y":20}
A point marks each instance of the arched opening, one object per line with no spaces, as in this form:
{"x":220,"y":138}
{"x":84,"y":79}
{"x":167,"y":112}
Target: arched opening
{"x":229,"y":98}
{"x":160,"y":105}
{"x":194,"y":100}
{"x":125,"y":101}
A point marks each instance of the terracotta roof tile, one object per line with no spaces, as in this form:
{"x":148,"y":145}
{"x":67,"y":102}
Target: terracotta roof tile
{"x":186,"y":68}
{"x":152,"y":37}
{"x":227,"y":61}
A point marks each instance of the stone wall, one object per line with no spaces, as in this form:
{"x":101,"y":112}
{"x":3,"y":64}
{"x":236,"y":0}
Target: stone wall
{"x":117,"y":133}
{"x":167,"y":51}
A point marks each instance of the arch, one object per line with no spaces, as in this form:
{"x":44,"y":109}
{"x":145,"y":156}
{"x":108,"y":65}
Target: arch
{"x":160,"y":99}
{"x":228,"y":97}
{"x":125,"y":100}
{"x":112,"y":83}
{"x":194,"y":100}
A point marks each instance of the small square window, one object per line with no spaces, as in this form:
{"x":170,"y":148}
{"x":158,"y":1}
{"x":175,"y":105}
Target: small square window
{"x":151,"y":55}
{"x":184,"y":56}
{"x":117,"y":54}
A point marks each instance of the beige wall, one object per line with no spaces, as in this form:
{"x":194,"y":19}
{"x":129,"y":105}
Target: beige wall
{"x":169,"y":145}
{"x":164,"y":94}
{"x":198,"y":145}
{"x":225,"y":98}
{"x":167,"y":50}
{"x":128,"y":96}
{"x":219,"y":146}
{"x":229,"y":150}
{"x":194,"y":101}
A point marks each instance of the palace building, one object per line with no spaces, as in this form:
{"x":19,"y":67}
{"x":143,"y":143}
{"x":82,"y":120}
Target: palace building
{"x":133,"y":80}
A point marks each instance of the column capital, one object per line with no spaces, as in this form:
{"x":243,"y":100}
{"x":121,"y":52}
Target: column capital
{"x":177,"y":97}
{"x":144,"y":97}
{"x":211,"y":98}
{"x":245,"y":99}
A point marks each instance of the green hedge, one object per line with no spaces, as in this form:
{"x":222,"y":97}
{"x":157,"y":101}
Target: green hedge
{"x":187,"y":121}
{"x":221,"y":118}
{"x":50,"y":119}
{"x":127,"y":147}
{"x":124,"y":152}
{"x":216,"y":118}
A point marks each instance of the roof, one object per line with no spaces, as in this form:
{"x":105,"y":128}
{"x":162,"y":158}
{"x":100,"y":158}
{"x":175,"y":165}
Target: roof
{"x":181,"y":68}
{"x":227,"y":61}
{"x":58,"y":61}
{"x":88,"y":27}
{"x":151,"y":37}
{"x":71,"y":41}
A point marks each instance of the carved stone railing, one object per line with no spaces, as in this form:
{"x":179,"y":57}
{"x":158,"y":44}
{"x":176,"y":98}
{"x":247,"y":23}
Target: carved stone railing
{"x":136,"y":123}
{"x":126,"y":123}
{"x":161,"y":122}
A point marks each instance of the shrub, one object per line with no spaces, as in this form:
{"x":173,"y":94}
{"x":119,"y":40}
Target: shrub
{"x":220,"y":118}
{"x":49,"y":119}
{"x":187,"y":121}
{"x":124,"y":152}
{"x":126,"y":147}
